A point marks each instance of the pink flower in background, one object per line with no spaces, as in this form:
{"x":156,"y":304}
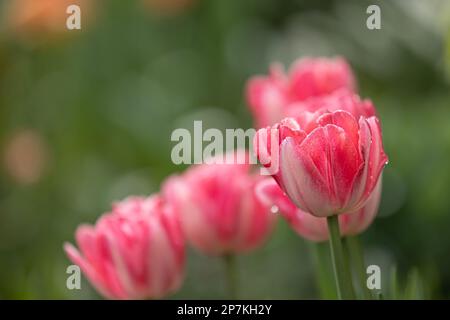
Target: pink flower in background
{"x":311,"y":227}
{"x":314,"y":77}
{"x":218,"y":208}
{"x":268,"y":96}
{"x":328,"y":162}
{"x":342,"y":99}
{"x":134,"y":252}
{"x":271,"y":97}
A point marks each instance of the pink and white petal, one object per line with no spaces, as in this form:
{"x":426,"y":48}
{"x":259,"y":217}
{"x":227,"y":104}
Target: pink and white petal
{"x":90,"y":272}
{"x":267,"y":143}
{"x":318,"y":174}
{"x":172,"y":226}
{"x":359,"y":221}
{"x":305,"y":224}
{"x":374,"y":160}
{"x":310,"y":227}
{"x":162,"y":261}
{"x":100,"y":281}
{"x":260,"y":221}
{"x":345,"y":164}
{"x":118,"y":264}
{"x":196,"y":226}
{"x":304,"y":173}
{"x":262,"y":143}
{"x":344,"y":120}
{"x":270,"y":193}
{"x":266,"y":100}
{"x":86,"y":239}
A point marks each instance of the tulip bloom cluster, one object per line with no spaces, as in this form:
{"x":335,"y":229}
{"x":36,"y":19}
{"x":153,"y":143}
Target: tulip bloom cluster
{"x":326,"y":154}
{"x":137,"y":250}
{"x":325,"y":145}
{"x":272,"y":97}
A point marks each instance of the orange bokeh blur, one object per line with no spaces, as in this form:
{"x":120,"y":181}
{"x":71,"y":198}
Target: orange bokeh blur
{"x":43,"y":17}
{"x":25,"y":156}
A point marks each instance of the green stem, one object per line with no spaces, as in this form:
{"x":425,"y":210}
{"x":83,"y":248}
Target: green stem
{"x":340,"y":266}
{"x":355,"y":251}
{"x":394,"y":294}
{"x":231,"y":275}
{"x":323,"y":271}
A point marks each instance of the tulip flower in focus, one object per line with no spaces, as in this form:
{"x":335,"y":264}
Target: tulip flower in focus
{"x":271,"y":97}
{"x":219,"y":211}
{"x":328,"y":162}
{"x":134,"y":252}
{"x":313,"y":228}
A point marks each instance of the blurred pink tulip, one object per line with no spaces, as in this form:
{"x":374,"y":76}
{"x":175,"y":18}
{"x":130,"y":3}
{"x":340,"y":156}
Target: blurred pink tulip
{"x":268,"y":96}
{"x":327,"y":162}
{"x":311,"y":227}
{"x":218,"y":208}
{"x":314,"y":77}
{"x":271,"y":97}
{"x":342,"y":99}
{"x":134,"y":252}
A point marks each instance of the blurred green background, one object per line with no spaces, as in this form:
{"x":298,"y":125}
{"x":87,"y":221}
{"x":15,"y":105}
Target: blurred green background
{"x":86,"y":118}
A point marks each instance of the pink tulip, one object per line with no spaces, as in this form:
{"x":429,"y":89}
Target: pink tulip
{"x":327,"y":162}
{"x":134,"y":252}
{"x":342,"y":99}
{"x":268,"y":96}
{"x":313,"y":228}
{"x":314,"y":77}
{"x":271,"y":97}
{"x":218,"y":208}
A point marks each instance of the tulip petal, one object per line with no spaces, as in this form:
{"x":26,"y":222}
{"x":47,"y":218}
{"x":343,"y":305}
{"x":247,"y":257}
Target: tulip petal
{"x":94,"y":277}
{"x":375,"y":159}
{"x":270,"y":193}
{"x":357,"y":222}
{"x":318,"y":175}
{"x":343,"y":120}
{"x":96,"y":253}
{"x":266,"y":98}
{"x":301,"y":179}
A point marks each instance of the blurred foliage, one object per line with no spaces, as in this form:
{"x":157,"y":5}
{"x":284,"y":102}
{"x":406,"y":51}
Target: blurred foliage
{"x":100,"y":105}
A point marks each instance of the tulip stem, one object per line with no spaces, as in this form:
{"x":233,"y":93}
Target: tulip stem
{"x":324,"y":273}
{"x":353,"y":246}
{"x":341,"y":271}
{"x":231,"y":275}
